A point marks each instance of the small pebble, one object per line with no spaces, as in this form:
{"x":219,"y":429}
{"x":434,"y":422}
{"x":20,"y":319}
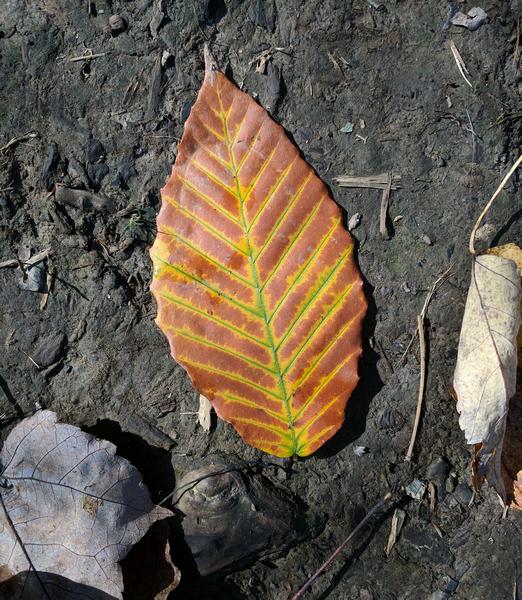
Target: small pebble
{"x":426,"y":240}
{"x":354,"y":222}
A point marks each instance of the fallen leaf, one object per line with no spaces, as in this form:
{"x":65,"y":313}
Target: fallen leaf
{"x":254,"y":276}
{"x":70,"y":510}
{"x":204,"y":412}
{"x":485,"y":375}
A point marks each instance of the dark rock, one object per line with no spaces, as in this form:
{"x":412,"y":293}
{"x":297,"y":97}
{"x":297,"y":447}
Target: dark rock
{"x":94,"y":151}
{"x":463,"y":493}
{"x":50,"y":349}
{"x":96,"y":174}
{"x":124,"y":173}
{"x":423,"y":545}
{"x":49,"y":165}
{"x":273,"y":85}
{"x":438,"y":470}
{"x":231,"y":519}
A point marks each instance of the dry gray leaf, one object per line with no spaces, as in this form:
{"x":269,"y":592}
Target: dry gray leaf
{"x":485,"y":374}
{"x":70,"y":509}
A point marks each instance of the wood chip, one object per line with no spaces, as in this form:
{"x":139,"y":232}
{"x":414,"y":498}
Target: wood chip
{"x":204,"y":413}
{"x":399,"y":516}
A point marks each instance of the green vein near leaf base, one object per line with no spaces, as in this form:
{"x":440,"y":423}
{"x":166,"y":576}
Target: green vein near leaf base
{"x":257,"y":283}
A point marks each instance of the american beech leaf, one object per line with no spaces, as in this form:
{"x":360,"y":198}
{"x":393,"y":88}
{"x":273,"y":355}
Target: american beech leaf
{"x":254,"y":276}
{"x":70,"y":509}
{"x":485,"y":374}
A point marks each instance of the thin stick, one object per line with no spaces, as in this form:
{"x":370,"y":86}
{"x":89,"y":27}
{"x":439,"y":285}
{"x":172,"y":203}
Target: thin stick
{"x":422,"y":385}
{"x":378,"y":182}
{"x":488,"y":205}
{"x":87,"y":56}
{"x":336,"y":553}
{"x":16,"y":140}
{"x":460,"y":63}
{"x":385,"y":202}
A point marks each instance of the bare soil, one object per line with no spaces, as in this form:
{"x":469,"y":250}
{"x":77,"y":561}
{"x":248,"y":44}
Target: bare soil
{"x":110,"y":125}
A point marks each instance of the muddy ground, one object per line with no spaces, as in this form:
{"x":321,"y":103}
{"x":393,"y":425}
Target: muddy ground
{"x":111,"y":125}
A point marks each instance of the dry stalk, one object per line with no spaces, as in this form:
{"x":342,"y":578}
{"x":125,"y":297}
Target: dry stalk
{"x":422,"y":385}
{"x":377,"y":182}
{"x":490,"y":203}
{"x":385,"y":202}
{"x":382,"y":502}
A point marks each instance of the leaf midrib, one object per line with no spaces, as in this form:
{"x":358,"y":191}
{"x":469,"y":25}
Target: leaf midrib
{"x":257,"y":283}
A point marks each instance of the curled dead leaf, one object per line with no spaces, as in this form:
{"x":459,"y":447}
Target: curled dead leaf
{"x":485,"y":374}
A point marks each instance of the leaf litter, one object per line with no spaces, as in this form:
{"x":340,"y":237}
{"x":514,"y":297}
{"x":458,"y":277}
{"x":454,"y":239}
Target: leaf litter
{"x":70,"y":510}
{"x":485,"y":378}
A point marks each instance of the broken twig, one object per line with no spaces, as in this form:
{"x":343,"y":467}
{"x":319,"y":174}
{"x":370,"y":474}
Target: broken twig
{"x":376,"y":182}
{"x":422,"y":385}
{"x":334,"y":555}
{"x":421,"y":318}
{"x":87,"y":56}
{"x":385,"y":202}
{"x":30,"y":135}
{"x":488,"y":205}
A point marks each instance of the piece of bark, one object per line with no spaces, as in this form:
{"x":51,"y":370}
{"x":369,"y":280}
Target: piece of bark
{"x":82,"y":199}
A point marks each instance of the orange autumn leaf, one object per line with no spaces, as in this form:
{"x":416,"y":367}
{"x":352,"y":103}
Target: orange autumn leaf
{"x":254,"y":276}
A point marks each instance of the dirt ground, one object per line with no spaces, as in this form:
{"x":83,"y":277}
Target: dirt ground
{"x":94,"y":355}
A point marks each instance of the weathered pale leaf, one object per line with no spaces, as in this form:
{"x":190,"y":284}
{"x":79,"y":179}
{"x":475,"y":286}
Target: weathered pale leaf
{"x":254,"y":276}
{"x":70,"y":510}
{"x":485,"y":375}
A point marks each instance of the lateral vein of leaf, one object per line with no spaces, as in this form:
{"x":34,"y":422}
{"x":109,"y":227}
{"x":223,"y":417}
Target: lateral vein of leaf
{"x":73,"y":489}
{"x":319,"y":323}
{"x":232,"y":376}
{"x":304,"y":269}
{"x":204,"y":283}
{"x":320,"y":434}
{"x":287,"y":209}
{"x":226,"y":324}
{"x":325,"y":351}
{"x":250,"y":148}
{"x":289,"y":246}
{"x":256,"y":177}
{"x":262,"y":425}
{"x":225,"y":349}
{"x":317,"y":391}
{"x":225,"y":164}
{"x":217,"y":135}
{"x":255,"y":275}
{"x":208,"y":200}
{"x":199,"y":221}
{"x":250,"y":404}
{"x":314,"y":296}
{"x":273,"y":190}
{"x":214,"y":178}
{"x":212,"y":260}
